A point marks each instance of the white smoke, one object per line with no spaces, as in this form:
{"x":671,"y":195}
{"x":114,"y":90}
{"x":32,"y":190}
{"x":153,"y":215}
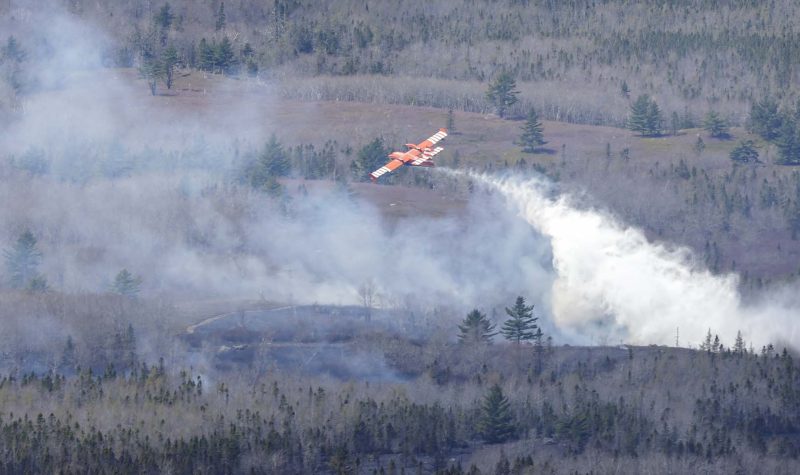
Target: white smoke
{"x":612,"y":283}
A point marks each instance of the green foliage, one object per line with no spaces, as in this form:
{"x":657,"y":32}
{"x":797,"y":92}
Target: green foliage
{"x":263,"y":171}
{"x":168,"y":61}
{"x":220,"y":18}
{"x":645,"y":117}
{"x":520,"y":327}
{"x":764,"y":119}
{"x":476,"y":328}
{"x":496,"y":423}
{"x":532,"y":133}
{"x":745,"y":152}
{"x":369,"y":158}
{"x":502,"y":93}
{"x":22,"y":263}
{"x":699,"y":145}
{"x":715,"y":125}
{"x":788,"y":139}
{"x":624,"y":89}
{"x":126,"y":284}
{"x":164,"y":17}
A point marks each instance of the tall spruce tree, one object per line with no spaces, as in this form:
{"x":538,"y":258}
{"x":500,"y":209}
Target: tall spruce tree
{"x":715,"y":125}
{"x":126,"y":284}
{"x":22,"y":262}
{"x":476,"y":328}
{"x":645,"y":117}
{"x":502,"y":93}
{"x":765,"y":120}
{"x":371,"y":157}
{"x":520,"y":327}
{"x":744,"y":152}
{"x":532,"y":133}
{"x":496,"y":422}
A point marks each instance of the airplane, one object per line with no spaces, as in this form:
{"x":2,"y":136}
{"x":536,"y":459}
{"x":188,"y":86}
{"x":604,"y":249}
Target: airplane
{"x":416,"y":156}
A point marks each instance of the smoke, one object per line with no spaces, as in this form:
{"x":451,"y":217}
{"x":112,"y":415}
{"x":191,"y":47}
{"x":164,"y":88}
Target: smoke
{"x":612,"y":284}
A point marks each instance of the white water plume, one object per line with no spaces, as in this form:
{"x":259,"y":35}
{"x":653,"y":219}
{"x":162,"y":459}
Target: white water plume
{"x":613,"y":284}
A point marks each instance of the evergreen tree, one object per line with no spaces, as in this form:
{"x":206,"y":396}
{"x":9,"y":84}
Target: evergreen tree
{"x":496,"y":422}
{"x":22,"y":262}
{"x":739,"y":346}
{"x":520,"y":327}
{"x":151,"y":69}
{"x":645,"y":116}
{"x":476,"y":328}
{"x":744,"y":152}
{"x":224,"y":57}
{"x":126,"y":284}
{"x":205,"y":52}
{"x":699,"y":145}
{"x":221,"y":17}
{"x":715,"y":125}
{"x":164,"y":17}
{"x":706,"y":345}
{"x":169,"y":61}
{"x":502,"y":93}
{"x":451,"y":121}
{"x":624,"y":89}
{"x":371,"y":157}
{"x":532,"y":133}
{"x":788,"y":141}
{"x":765,"y":120}
{"x":272,"y":163}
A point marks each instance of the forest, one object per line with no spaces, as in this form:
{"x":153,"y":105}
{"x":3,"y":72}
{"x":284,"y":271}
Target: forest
{"x":598,"y":277}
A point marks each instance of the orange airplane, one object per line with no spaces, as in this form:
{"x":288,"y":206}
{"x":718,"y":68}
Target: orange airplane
{"x":417,"y":155}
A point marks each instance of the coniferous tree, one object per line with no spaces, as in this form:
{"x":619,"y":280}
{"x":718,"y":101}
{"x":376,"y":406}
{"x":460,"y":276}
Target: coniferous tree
{"x":164,"y":17}
{"x":451,"y":121}
{"x":624,"y":89}
{"x":520,"y":327}
{"x":476,"y":328}
{"x":496,"y":422}
{"x":745,"y":152}
{"x":220,"y":24}
{"x":788,"y":140}
{"x":369,"y":158}
{"x":502,"y":93}
{"x":127,"y":284}
{"x":224,"y":57}
{"x":715,"y":125}
{"x":765,"y":120}
{"x":22,"y":262}
{"x":645,"y":116}
{"x":532,"y":133}
{"x":205,"y":52}
{"x":169,"y":61}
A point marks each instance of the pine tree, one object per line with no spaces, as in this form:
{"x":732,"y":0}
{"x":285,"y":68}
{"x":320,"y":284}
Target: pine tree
{"x":207,"y":60}
{"x":706,"y":345}
{"x":715,"y":125}
{"x":745,"y":152}
{"x":221,"y":17}
{"x":371,"y":157}
{"x":496,"y":422}
{"x":169,"y":61}
{"x":224,"y":57}
{"x":739,"y":346}
{"x":532,"y":133}
{"x":502,"y":93}
{"x":22,"y":262}
{"x":788,"y":141}
{"x":624,"y":89}
{"x":451,"y":121}
{"x":645,"y":116}
{"x":476,"y":328}
{"x":164,"y":17}
{"x":765,"y":120}
{"x":126,"y":284}
{"x":520,"y":327}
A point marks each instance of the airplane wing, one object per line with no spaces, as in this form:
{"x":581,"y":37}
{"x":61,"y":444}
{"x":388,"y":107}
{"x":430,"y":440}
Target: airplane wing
{"x":426,"y":155}
{"x":433,"y":139}
{"x":391,"y":166}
